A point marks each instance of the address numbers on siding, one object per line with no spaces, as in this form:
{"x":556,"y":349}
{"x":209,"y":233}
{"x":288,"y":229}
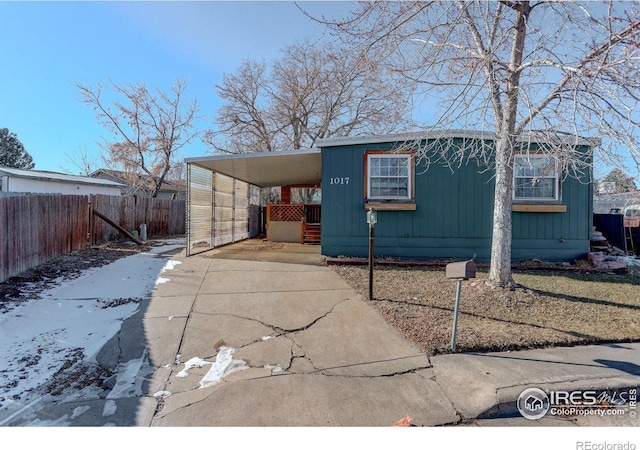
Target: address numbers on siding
{"x":337,"y":180}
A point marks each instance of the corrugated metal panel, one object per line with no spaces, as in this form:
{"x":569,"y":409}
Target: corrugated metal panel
{"x":221,"y":209}
{"x":241,"y":211}
{"x":199,"y":209}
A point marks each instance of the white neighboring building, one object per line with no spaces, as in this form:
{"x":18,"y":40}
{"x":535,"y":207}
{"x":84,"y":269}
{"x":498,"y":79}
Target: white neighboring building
{"x":45,"y":182}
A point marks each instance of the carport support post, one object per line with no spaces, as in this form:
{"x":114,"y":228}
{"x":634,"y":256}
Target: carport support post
{"x":455,"y":316}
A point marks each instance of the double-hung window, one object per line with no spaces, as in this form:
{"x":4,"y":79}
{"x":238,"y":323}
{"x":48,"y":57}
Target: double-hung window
{"x":389,"y":176}
{"x":536,"y":178}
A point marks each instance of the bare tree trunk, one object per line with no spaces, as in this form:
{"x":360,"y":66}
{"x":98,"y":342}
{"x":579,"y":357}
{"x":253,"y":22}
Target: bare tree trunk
{"x":500,"y":269}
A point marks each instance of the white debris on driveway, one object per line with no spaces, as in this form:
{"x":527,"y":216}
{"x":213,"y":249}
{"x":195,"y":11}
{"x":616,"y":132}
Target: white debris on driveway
{"x":223,"y":366}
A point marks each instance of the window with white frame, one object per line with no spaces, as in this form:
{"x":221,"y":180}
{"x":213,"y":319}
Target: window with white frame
{"x":536,"y":178}
{"x":389,"y":176}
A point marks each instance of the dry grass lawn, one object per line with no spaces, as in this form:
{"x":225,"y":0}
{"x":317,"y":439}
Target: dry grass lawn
{"x":550,"y":308}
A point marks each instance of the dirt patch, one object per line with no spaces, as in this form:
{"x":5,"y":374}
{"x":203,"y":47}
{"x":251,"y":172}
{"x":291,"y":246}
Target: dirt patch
{"x":552,"y":307}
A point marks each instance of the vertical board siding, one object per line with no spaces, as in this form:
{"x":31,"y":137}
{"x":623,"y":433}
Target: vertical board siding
{"x":163,"y":217}
{"x":37,"y":228}
{"x":453,"y":216}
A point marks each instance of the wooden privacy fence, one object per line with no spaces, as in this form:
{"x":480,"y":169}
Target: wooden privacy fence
{"x":37,"y":228}
{"x":163,"y":217}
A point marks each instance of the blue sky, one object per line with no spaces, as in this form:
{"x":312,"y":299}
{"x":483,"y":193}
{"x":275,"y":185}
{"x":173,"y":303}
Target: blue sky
{"x":46,"y":46}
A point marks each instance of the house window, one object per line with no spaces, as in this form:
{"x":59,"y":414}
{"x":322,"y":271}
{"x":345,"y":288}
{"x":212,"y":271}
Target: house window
{"x":389,"y":176}
{"x":536,"y":178}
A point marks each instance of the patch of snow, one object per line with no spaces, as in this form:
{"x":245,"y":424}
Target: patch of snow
{"x":130,"y":277}
{"x":130,"y":376}
{"x":72,"y":321}
{"x":192,"y":363}
{"x":266,"y":338}
{"x":41,"y":335}
{"x":273,"y":368}
{"x":80,"y":410}
{"x":109,"y":409}
{"x":165,"y":249}
{"x":59,"y":422}
{"x":24,"y":408}
{"x":162,"y":394}
{"x":223,"y":366}
{"x":170,"y":265}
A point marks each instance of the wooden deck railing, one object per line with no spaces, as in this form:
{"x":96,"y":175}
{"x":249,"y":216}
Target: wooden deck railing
{"x":304,"y":214}
{"x":285,"y":213}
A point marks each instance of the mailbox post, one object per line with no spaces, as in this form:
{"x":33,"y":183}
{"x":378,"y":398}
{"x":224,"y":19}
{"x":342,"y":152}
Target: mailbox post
{"x":459,"y":271}
{"x":371,"y":220}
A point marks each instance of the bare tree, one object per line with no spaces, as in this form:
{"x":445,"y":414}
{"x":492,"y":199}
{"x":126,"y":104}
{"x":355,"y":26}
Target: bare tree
{"x":83,"y":162}
{"x":150,"y":127}
{"x":311,"y":92}
{"x":523,"y":72}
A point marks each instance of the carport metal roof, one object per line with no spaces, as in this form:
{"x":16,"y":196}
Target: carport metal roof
{"x":267,"y":169}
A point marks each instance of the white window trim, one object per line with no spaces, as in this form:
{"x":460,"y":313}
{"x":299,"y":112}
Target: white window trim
{"x":409,"y":177}
{"x":556,"y":178}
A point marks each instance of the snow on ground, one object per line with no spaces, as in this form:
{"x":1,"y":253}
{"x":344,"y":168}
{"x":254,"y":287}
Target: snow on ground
{"x":72,"y":321}
{"x":223,"y":366}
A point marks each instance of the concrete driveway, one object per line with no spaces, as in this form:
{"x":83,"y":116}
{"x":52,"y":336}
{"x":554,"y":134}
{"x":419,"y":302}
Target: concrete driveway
{"x":258,"y":334}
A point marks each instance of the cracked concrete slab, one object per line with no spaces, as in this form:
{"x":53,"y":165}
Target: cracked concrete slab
{"x":285,"y":311}
{"x":328,"y":401}
{"x":243,"y":265}
{"x":316,"y":353}
{"x":166,"y":335}
{"x":207,"y":332}
{"x":256,"y":280}
{"x":275,"y":352}
{"x":170,"y":306}
{"x":354,"y":340}
{"x":493,"y":381}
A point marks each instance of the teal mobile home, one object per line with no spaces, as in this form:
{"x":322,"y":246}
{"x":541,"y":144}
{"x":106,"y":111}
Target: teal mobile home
{"x":434,"y":211}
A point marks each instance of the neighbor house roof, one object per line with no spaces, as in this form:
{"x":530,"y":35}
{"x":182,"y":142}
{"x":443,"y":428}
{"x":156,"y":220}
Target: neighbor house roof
{"x":44,"y":175}
{"x":142,"y":180}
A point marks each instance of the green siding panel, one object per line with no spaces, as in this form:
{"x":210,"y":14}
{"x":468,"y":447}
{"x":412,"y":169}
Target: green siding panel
{"x":453,"y":216}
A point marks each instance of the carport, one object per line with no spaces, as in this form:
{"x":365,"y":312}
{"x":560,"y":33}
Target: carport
{"x":223,"y":196}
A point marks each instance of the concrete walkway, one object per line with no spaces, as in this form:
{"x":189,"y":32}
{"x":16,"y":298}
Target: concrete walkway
{"x":301,"y":348}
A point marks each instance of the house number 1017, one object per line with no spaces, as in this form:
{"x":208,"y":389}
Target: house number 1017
{"x":339,"y":180}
